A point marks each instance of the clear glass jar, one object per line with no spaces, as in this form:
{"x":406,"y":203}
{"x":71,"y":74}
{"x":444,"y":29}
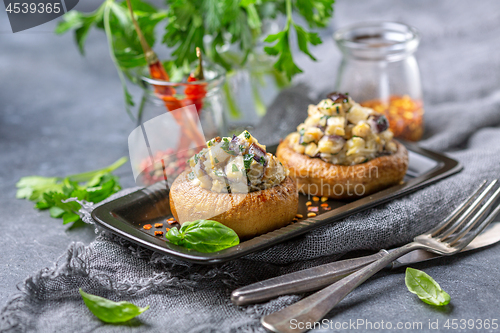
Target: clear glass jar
{"x":176,"y":121}
{"x":379,"y":70}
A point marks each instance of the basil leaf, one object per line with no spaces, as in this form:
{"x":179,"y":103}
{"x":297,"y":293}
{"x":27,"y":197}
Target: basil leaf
{"x":203,"y":236}
{"x":109,"y":311}
{"x":425,"y":287}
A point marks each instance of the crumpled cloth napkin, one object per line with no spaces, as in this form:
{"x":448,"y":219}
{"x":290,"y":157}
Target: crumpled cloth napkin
{"x":193,"y":298}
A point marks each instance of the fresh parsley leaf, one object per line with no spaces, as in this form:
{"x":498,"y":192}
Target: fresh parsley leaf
{"x":51,"y":192}
{"x":425,"y":287}
{"x":191,"y":176}
{"x":247,"y":135}
{"x":109,"y":311}
{"x":234,"y":168}
{"x":219,"y":173}
{"x":242,"y":148}
{"x":203,"y":236}
{"x":304,"y":38}
{"x":216,"y":160}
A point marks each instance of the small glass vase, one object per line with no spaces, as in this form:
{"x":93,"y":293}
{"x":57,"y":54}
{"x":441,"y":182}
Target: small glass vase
{"x":379,"y":70}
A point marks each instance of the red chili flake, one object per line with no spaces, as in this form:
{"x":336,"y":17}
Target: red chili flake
{"x":324,"y":205}
{"x":312,"y":208}
{"x":147,"y":226}
{"x":158,"y":225}
{"x":158,"y":233}
{"x":168,"y":229}
{"x":171,"y":221}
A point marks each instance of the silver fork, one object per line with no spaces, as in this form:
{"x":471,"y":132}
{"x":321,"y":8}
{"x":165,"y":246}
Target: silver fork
{"x":447,"y":238}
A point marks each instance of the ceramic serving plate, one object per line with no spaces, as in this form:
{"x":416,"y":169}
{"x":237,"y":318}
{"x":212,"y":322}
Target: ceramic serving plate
{"x":127,"y":215}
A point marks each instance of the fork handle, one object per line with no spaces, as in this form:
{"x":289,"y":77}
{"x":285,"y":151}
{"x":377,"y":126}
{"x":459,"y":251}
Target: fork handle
{"x":313,"y":308}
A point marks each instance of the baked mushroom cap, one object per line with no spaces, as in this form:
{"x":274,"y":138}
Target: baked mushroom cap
{"x":248,"y":214}
{"x":317,"y":177}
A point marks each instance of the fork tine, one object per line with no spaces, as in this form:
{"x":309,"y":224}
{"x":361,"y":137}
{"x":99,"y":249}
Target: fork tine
{"x":456,"y":212}
{"x":471,"y":210}
{"x":478,"y":217}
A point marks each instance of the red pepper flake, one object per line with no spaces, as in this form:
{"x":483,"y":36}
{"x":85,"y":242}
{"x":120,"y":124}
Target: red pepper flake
{"x":315,"y":198}
{"x":158,"y":225}
{"x":171,"y":222}
{"x":324,"y":205}
{"x":158,"y":233}
{"x":147,"y":226}
{"x":309,"y":203}
{"x":168,"y":229}
{"x":313,"y":209}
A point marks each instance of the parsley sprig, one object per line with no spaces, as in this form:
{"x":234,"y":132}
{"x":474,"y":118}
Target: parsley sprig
{"x":51,"y":192}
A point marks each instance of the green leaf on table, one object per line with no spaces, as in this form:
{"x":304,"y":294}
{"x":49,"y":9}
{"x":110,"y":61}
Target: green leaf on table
{"x":425,"y":287}
{"x":109,"y":311}
{"x":51,"y":192}
{"x":317,"y":13}
{"x":203,"y":236}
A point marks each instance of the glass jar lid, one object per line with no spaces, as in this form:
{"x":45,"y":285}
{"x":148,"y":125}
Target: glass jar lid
{"x":377,"y":41}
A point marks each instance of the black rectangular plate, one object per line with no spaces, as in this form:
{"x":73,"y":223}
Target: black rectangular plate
{"x":127,"y":215}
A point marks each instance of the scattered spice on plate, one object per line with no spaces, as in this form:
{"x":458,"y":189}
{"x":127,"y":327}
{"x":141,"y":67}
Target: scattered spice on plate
{"x":299,"y":216}
{"x":158,"y":225}
{"x":171,"y":221}
{"x":309,"y":203}
{"x":311,"y":214}
{"x":323,"y":199}
{"x":158,"y":233}
{"x":328,"y":208}
{"x":324,"y":205}
{"x":312,"y":208}
{"x":168,"y":229}
{"x":147,"y":226}
{"x":315,"y":198}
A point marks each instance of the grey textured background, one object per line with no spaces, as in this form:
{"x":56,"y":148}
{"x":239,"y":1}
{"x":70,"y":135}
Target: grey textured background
{"x":61,"y":113}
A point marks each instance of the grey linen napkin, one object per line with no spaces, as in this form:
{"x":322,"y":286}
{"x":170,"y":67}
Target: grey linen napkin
{"x":193,"y":298}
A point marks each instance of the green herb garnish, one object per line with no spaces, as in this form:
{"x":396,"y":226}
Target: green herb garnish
{"x":302,"y":131}
{"x":425,"y":287}
{"x":203,"y":236}
{"x":235,"y":168}
{"x":191,"y":176}
{"x":242,"y":148}
{"x":50,"y":192}
{"x":247,"y":160}
{"x":109,"y":311}
{"x":247,"y":135}
{"x":219,"y":173}
{"x":216,"y":160}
